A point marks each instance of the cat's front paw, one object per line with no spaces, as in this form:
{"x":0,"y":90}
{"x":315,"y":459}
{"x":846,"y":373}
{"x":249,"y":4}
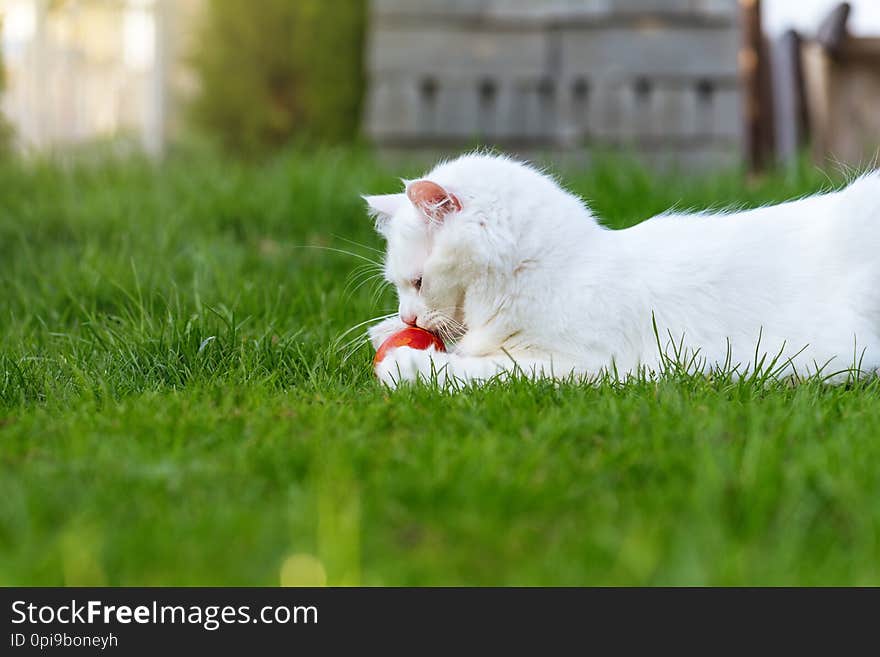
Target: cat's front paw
{"x":408,"y":364}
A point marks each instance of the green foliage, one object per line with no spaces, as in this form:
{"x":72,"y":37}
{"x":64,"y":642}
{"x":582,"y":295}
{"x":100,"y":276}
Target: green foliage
{"x":279,"y":70}
{"x":176,"y":408}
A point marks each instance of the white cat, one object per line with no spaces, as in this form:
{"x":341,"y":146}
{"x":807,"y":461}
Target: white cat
{"x":515,"y":271}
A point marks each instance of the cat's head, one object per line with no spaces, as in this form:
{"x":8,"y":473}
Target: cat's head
{"x":457,"y":237}
{"x":424,"y":259}
{"x":439,"y":233}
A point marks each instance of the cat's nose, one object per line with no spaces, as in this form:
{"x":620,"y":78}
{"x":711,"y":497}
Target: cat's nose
{"x":408,"y":319}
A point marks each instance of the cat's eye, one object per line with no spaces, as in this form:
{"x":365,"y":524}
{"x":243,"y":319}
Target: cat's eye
{"x":417,"y":283}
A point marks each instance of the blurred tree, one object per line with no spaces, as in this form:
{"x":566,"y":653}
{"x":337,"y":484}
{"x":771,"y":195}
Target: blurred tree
{"x":279,"y":70}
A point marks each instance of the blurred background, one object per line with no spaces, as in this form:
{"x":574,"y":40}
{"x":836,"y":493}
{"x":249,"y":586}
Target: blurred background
{"x":694,"y":84}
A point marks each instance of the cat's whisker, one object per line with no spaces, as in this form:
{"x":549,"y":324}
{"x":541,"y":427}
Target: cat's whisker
{"x":359,"y":276}
{"x":352,"y":288}
{"x":365,"y":269}
{"x":378,"y":319}
{"x":355,"y":338}
{"x":447,"y":327}
{"x":446,"y":314}
{"x":352,"y":346}
{"x":364,"y":281}
{"x":381,"y":286}
{"x":363,"y":246}
{"x":445,"y":334}
{"x":341,"y":251}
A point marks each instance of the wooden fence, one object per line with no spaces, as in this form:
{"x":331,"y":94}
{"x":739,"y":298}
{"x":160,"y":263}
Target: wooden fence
{"x":86,"y":69}
{"x":658,"y":78}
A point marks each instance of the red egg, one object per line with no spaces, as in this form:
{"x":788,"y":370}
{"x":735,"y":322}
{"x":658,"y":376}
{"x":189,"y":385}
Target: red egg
{"x":411,"y":336}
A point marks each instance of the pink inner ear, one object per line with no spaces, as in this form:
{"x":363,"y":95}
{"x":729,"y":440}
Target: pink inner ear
{"x":432,"y":200}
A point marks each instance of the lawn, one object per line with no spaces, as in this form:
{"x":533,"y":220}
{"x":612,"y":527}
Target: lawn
{"x":177,"y":407}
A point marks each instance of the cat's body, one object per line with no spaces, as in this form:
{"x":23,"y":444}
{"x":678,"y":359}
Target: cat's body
{"x":520,"y":272}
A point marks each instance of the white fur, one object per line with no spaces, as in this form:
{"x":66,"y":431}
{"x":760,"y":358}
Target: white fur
{"x":524,"y":279}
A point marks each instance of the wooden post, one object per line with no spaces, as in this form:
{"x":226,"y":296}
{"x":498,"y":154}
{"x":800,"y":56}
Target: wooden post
{"x":832,"y":31}
{"x":753,"y":83}
{"x":789,"y":116}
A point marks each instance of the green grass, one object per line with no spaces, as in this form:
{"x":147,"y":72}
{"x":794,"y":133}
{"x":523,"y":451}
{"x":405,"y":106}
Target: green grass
{"x":174,"y":409}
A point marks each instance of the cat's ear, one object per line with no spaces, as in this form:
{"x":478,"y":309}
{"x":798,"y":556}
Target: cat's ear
{"x":383,"y":206}
{"x":432,"y":200}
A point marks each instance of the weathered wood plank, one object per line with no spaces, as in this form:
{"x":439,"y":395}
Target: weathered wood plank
{"x":599,"y":10}
{"x":622,"y":51}
{"x":433,"y":49}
